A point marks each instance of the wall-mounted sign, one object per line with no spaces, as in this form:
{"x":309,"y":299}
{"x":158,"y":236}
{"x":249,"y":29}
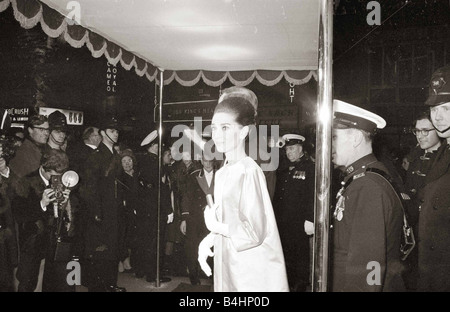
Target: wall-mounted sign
{"x":73,"y":117}
{"x":111,"y":78}
{"x":286,"y":116}
{"x":186,"y":111}
{"x":18,"y":115}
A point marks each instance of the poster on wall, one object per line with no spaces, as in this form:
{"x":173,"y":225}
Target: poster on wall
{"x":74,"y":118}
{"x":19,"y":116}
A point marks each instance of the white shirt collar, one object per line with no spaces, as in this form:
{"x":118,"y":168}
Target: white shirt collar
{"x":91,"y":146}
{"x":208,"y":176}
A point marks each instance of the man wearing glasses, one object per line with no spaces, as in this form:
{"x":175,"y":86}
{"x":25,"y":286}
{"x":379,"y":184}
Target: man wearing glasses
{"x":28,"y":155}
{"x":434,"y":220}
{"x":421,"y":159}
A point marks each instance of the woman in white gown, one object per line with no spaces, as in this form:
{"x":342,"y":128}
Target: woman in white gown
{"x":247,"y":249}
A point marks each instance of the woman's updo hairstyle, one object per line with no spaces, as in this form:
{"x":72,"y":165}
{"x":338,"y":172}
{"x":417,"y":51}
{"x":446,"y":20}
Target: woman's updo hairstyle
{"x":241,"y":102}
{"x":243,"y":111}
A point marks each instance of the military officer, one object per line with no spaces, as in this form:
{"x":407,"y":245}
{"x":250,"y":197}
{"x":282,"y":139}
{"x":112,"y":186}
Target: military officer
{"x":434,"y":215}
{"x":294,"y":210}
{"x":368,"y":215}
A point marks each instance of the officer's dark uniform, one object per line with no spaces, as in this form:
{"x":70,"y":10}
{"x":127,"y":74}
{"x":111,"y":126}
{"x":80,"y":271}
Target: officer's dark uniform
{"x":293,"y":205}
{"x":369,"y":230}
{"x":192,"y":207}
{"x":367,"y":221}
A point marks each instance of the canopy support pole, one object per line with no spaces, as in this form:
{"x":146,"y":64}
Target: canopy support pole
{"x":160,"y":134}
{"x":323,"y":144}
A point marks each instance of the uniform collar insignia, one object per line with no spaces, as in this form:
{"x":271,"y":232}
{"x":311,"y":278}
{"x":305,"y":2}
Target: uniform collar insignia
{"x":437,"y":84}
{"x":349,"y":169}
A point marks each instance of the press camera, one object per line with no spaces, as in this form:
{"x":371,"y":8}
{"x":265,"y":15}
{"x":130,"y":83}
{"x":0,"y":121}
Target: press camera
{"x":61,"y":182}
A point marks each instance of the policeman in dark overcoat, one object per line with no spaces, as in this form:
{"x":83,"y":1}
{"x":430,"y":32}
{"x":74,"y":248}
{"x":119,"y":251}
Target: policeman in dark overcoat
{"x":294,"y":210}
{"x":434,"y":215}
{"x":367,"y":221}
{"x":104,"y":201}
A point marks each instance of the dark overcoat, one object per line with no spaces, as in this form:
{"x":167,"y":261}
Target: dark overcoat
{"x":434,"y":226}
{"x":104,"y":201}
{"x":293,"y":204}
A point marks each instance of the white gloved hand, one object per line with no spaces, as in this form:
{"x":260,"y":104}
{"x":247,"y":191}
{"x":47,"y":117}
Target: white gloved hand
{"x":211,"y":221}
{"x":204,"y":251}
{"x":183,"y":227}
{"x":170,"y":218}
{"x":309,"y":227}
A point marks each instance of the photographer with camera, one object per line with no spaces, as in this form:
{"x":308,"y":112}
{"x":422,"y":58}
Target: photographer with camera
{"x":42,"y":212}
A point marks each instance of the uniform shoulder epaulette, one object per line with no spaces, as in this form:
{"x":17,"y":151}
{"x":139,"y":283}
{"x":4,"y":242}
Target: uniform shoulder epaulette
{"x":196,"y":171}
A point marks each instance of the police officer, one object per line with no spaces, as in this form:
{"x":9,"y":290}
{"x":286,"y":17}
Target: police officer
{"x":294,"y":210}
{"x":434,"y":216}
{"x":57,"y":122}
{"x":368,"y":215}
{"x":104,"y":201}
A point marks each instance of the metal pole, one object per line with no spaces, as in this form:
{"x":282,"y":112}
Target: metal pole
{"x":323,"y":144}
{"x":160,"y":134}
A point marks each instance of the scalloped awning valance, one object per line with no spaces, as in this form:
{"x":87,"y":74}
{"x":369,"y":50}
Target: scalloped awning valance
{"x":211,"y":40}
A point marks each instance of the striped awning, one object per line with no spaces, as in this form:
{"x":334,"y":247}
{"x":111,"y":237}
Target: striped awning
{"x":208,"y":40}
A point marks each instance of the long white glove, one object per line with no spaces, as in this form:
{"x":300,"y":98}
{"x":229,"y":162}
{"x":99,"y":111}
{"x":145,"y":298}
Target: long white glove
{"x":204,"y":251}
{"x":211,"y":221}
{"x":309,"y":227}
{"x":170,"y":218}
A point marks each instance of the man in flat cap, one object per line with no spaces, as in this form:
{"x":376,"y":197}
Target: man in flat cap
{"x":434,"y":215}
{"x":57,"y":122}
{"x":293,"y":205}
{"x":104,"y":201}
{"x":368,"y":215}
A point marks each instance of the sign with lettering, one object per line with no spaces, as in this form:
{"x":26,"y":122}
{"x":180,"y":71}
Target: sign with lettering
{"x":19,"y":115}
{"x":111,"y":78}
{"x":286,"y":116}
{"x":186,"y":111}
{"x":74,"y":118}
